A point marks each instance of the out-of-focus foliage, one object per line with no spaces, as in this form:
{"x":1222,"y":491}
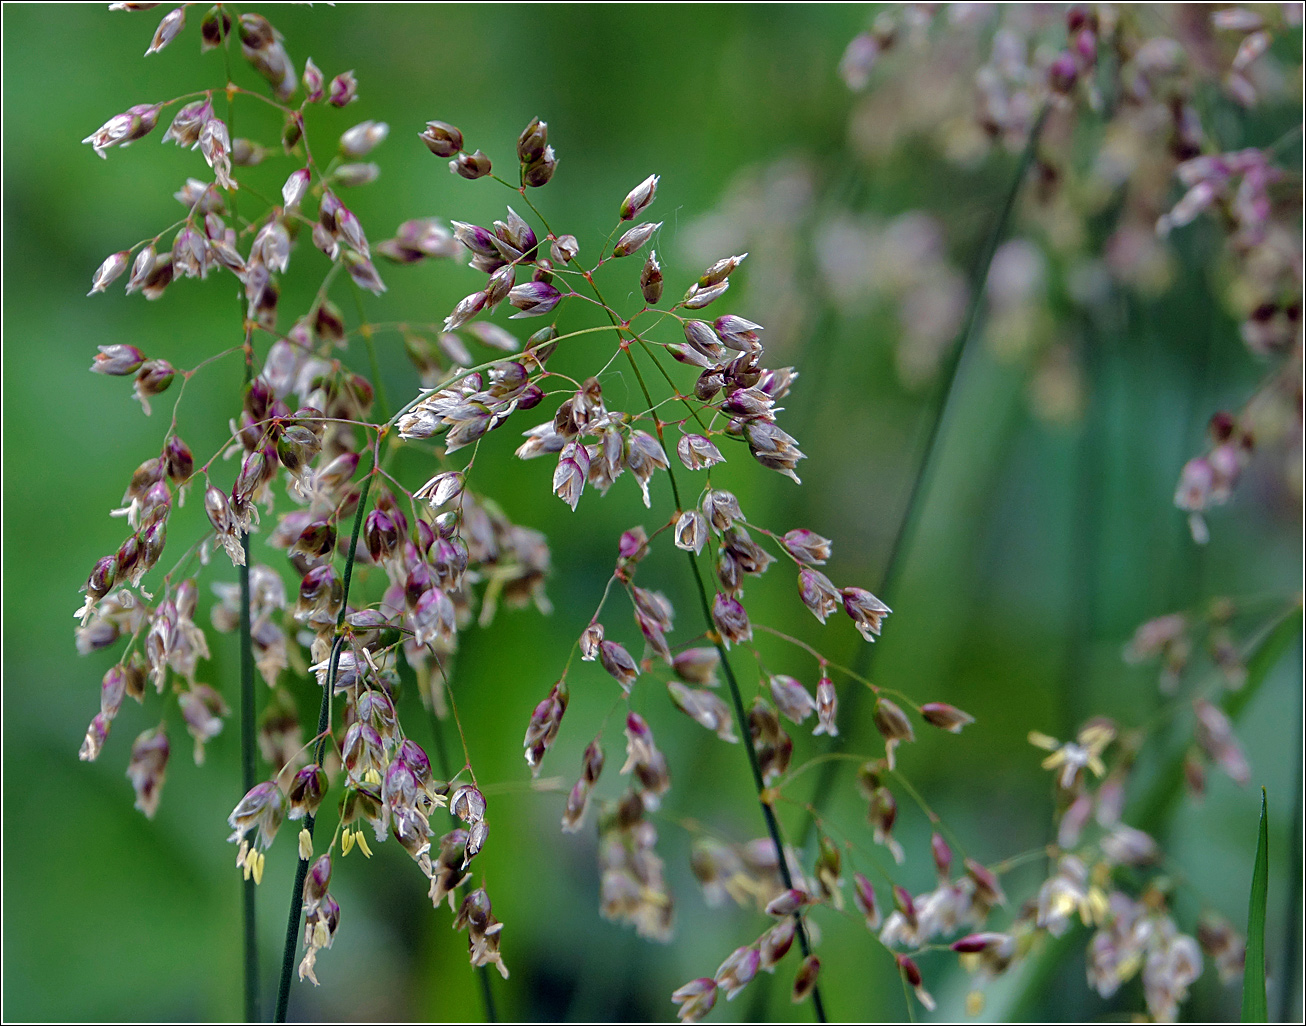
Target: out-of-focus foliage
{"x":1048,"y":534}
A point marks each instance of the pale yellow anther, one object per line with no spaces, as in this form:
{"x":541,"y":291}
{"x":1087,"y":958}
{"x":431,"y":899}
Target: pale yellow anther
{"x":1095,"y":907}
{"x":1097,"y":736}
{"x":305,"y":844}
{"x":743,"y":888}
{"x":654,"y":897}
{"x":1129,"y":966}
{"x":1063,"y":903}
{"x":347,"y":843}
{"x":259,"y":859}
{"x":362,"y":844}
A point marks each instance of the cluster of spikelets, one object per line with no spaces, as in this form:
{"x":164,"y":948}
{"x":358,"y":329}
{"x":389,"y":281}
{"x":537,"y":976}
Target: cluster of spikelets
{"x":304,"y":435}
{"x":443,"y":555}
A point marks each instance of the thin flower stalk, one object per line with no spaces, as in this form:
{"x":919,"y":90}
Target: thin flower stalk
{"x":741,"y":719}
{"x":768,"y":814}
{"x":293,"y":929}
{"x":248,"y":710}
{"x":248,"y":743}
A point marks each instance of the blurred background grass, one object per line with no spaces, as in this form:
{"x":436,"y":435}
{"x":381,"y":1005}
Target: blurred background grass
{"x":108,"y":916}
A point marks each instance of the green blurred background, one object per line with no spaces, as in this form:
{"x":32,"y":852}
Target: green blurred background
{"x":1042,"y":547}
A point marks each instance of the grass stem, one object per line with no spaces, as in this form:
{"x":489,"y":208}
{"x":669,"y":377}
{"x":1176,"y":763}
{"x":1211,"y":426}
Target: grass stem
{"x":247,"y":768}
{"x":323,"y":724}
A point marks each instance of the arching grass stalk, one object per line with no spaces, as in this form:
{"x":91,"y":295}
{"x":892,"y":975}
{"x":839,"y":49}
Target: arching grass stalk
{"x":736,"y":699}
{"x":323,"y":723}
{"x":746,"y":737}
{"x":741,"y":718}
{"x":961,"y":356}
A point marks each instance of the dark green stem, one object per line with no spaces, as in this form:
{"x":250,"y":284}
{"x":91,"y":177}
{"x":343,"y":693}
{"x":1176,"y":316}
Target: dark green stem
{"x":962,"y":354}
{"x":247,"y":701}
{"x":323,"y":722}
{"x":768,"y":814}
{"x":301,"y":867}
{"x":247,"y":743}
{"x":741,"y":718}
{"x":746,"y":736}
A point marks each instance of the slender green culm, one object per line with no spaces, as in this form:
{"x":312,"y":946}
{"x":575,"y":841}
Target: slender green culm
{"x":737,"y":702}
{"x":323,"y":722}
{"x":249,"y":887}
{"x":301,"y":866}
{"x":247,"y":747}
{"x":768,"y":814}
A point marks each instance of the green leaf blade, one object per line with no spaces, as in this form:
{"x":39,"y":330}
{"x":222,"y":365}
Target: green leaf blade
{"x":1255,"y":1007}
